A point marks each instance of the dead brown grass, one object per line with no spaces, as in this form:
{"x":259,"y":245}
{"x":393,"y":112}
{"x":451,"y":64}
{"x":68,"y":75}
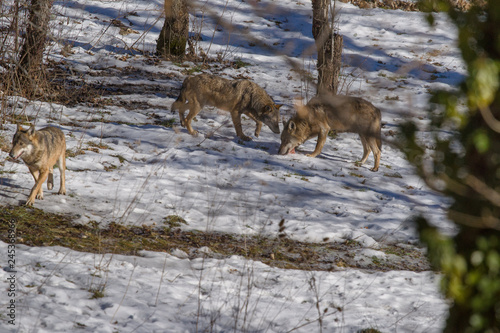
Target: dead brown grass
{"x":35,"y":227}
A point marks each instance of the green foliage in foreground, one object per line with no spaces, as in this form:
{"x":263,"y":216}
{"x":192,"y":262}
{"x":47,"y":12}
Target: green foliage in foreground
{"x":466,"y":167}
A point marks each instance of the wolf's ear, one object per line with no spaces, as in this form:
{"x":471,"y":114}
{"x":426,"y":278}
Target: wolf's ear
{"x":277,"y":106}
{"x":31,"y":130}
{"x":291,"y":126}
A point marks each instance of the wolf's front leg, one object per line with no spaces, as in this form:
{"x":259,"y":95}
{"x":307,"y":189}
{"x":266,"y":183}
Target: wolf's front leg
{"x":321,"y":142}
{"x":258,"y":124}
{"x":236,"y":116}
{"x":258,"y":127}
{"x":36,"y":174}
{"x":36,"y":191}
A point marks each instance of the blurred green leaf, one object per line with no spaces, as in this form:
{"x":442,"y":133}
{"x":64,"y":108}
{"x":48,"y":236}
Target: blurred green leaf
{"x":481,"y":141}
{"x":483,"y":83}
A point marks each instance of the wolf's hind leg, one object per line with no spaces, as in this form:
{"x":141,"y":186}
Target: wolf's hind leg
{"x":366,"y":149}
{"x":50,"y":179}
{"x":372,"y":142}
{"x":194,"y":109}
{"x":62,"y":170}
{"x":182,"y":109}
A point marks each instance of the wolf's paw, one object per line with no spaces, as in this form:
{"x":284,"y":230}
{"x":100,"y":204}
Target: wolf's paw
{"x":62,"y":192}
{"x":194,"y":133}
{"x":30,"y":202}
{"x":39,"y":196}
{"x":374,"y":169}
{"x":245,"y":138}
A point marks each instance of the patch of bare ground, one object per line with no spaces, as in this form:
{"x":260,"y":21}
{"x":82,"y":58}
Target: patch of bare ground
{"x":68,"y":89}
{"x":64,"y":86}
{"x":408,"y":5}
{"x":34,"y":227}
{"x":387,"y":4}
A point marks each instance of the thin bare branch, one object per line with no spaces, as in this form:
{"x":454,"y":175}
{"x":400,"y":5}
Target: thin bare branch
{"x":489,"y":118}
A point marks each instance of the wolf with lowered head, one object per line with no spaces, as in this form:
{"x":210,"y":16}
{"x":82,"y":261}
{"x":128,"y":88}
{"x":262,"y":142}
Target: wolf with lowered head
{"x":40,"y":151}
{"x":236,"y":96}
{"x":334,"y":112}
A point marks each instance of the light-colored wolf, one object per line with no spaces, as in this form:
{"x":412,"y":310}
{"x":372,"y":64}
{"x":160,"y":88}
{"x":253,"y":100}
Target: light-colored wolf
{"x":236,"y":96}
{"x":41,"y":150}
{"x":334,"y":112}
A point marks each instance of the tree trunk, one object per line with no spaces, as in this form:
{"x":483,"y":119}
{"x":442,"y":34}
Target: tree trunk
{"x":30,"y":58}
{"x":174,"y":34}
{"x":328,"y":45}
{"x":329,"y":62}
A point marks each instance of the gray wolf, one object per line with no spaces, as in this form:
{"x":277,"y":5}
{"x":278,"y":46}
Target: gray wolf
{"x":334,"y":112}
{"x":236,"y":96}
{"x":41,"y":150}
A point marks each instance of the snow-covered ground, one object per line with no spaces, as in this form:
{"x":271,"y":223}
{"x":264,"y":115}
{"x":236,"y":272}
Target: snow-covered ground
{"x":158,"y":292}
{"x":143,"y":172}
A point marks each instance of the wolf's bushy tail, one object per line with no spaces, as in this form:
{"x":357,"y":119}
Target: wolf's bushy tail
{"x":180,"y":100}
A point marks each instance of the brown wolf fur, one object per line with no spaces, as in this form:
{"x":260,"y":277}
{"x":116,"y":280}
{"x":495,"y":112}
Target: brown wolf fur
{"x":340,"y":113}
{"x":236,"y":96}
{"x":41,"y":150}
